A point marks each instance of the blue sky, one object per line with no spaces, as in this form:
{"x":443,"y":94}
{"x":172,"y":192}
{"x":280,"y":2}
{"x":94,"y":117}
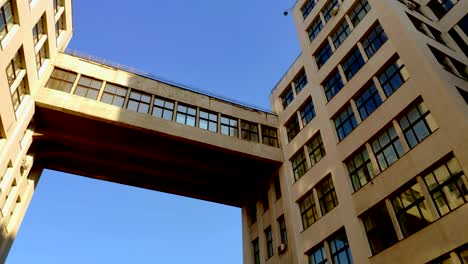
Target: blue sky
{"x":238,"y":49}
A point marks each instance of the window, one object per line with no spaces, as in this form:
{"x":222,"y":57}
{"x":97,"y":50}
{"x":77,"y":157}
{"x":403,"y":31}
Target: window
{"x":307,"y":8}
{"x":323,"y":54}
{"x":299,"y":164}
{"x":163,"y":108}
{"x":270,"y":136}
{"x":307,"y":112}
{"x":333,"y":85}
{"x":139,"y":102}
{"x":360,"y":169}
{"x":441,"y":7}
{"x":345,"y":122}
{"x":57,"y":5}
{"x":315,"y":28}
{"x":379,"y":228}
{"x":41,"y":56}
{"x":249,"y":131}
{"x":410,"y":209}
{"x":292,"y":127}
{"x":287,"y":97}
{"x":277,"y":188}
{"x":208,"y":120}
{"x":368,"y":101}
{"x":88,"y":87}
{"x":229,"y":126}
{"x":61,"y":80}
{"x":463,"y":24}
{"x":18,"y":94}
{"x":269,"y":242}
{"x":339,"y":248}
{"x":373,"y":40}
{"x":340,"y":33}
{"x":59,"y":26}
{"x":7,"y":19}
{"x":326,"y":195}
{"x":38,"y":30}
{"x":352,"y":63}
{"x":282,"y":229}
{"x":463,"y":254}
{"x":300,"y":81}
{"x":457,"y":37}
{"x":393,"y":77}
{"x":449,"y":64}
{"x":14,"y":67}
{"x":253,"y":212}
{"x":265,"y":201}
{"x":426,"y":29}
{"x":318,"y":256}
{"x":114,"y":95}
{"x":308,"y":210}
{"x":186,"y":115}
{"x":463,"y":94}
{"x":359,"y":11}
{"x":417,"y":124}
{"x":327,"y":10}
{"x":315,"y":149}
{"x":256,"y":250}
{"x":448,"y":186}
{"x":387,"y":148}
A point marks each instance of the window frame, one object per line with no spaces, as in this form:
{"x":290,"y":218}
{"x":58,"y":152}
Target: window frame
{"x":88,"y":87}
{"x":114,"y":94}
{"x":333,"y":84}
{"x":344,"y":118}
{"x":307,"y":112}
{"x":323,"y":54}
{"x":269,"y":242}
{"x":9,"y":22}
{"x":368,"y":100}
{"x":386,"y":76}
{"x":309,"y":214}
{"x":270,"y":136}
{"x":209,"y":120}
{"x":374,"y":39}
{"x":313,"y":149}
{"x":188,"y":116}
{"x":365,"y":166}
{"x":340,"y":33}
{"x":229,"y":126}
{"x":292,"y":127}
{"x":249,"y":131}
{"x":167,"y":106}
{"x":408,"y":125}
{"x":299,"y":164}
{"x":326,"y":189}
{"x":62,"y":81}
{"x":352,"y":63}
{"x":382,"y":150}
{"x":139,"y":101}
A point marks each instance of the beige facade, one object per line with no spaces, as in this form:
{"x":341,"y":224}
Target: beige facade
{"x":362,"y":160}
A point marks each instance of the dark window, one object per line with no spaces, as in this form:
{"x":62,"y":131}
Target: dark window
{"x":186,"y":115}
{"x":393,"y":77}
{"x":256,"y":251}
{"x":448,"y":186}
{"x":7,"y":19}
{"x":387,"y":148}
{"x":315,"y":149}
{"x":417,"y":124}
{"x":18,"y":94}
{"x":61,"y":80}
{"x":249,"y":131}
{"x":57,"y":5}
{"x":441,"y":7}
{"x":373,"y":40}
{"x":269,"y":242}
{"x":14,"y":67}
{"x":307,"y":8}
{"x":300,"y":81}
{"x":299,"y":164}
{"x":114,"y":95}
{"x":327,"y":10}
{"x":229,"y":126}
{"x":359,"y":11}
{"x":163,"y":108}
{"x":333,"y":84}
{"x":270,"y":136}
{"x":88,"y":87}
{"x":323,"y":54}
{"x":450,"y":64}
{"x":59,"y":26}
{"x":360,"y":169}
{"x":41,"y":56}
{"x":277,"y":188}
{"x":139,"y":102}
{"x":287,"y":97}
{"x":345,"y":122}
{"x":340,"y":33}
{"x":265,"y":201}
{"x":339,"y":248}
{"x":308,"y":210}
{"x":463,"y":254}
{"x":315,"y":28}
{"x":38,"y":30}
{"x":318,"y":256}
{"x":292,"y":127}
{"x":426,"y":29}
{"x":208,"y":120}
{"x":459,"y":40}
{"x":352,"y":63}
{"x":410,"y":209}
{"x":282,"y":229}
{"x":379,"y":228}
{"x":368,"y":101}
{"x":253,"y":212}
{"x":463,"y":24}
{"x":307,"y":112}
{"x":463,"y":94}
{"x":326,"y":195}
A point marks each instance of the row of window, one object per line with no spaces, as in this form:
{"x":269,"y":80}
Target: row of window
{"x":339,"y":34}
{"x":142,"y":102}
{"x":354,"y":61}
{"x":269,"y":241}
{"x":443,"y":187}
{"x":338,"y":250}
{"x":296,"y":86}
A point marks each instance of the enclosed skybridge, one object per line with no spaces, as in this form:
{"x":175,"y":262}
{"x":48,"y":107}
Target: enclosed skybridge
{"x":105,"y":123}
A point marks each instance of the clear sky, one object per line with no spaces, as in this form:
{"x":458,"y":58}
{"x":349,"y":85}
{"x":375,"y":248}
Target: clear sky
{"x":238,"y":49}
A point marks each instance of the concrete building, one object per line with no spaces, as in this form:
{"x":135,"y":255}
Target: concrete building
{"x":362,"y":159}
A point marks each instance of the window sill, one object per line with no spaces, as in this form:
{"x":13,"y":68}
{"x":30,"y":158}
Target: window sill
{"x":43,"y":68}
{"x":59,"y":14}
{"x":9,"y":36}
{"x":40,"y":43}
{"x":18,"y":80}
